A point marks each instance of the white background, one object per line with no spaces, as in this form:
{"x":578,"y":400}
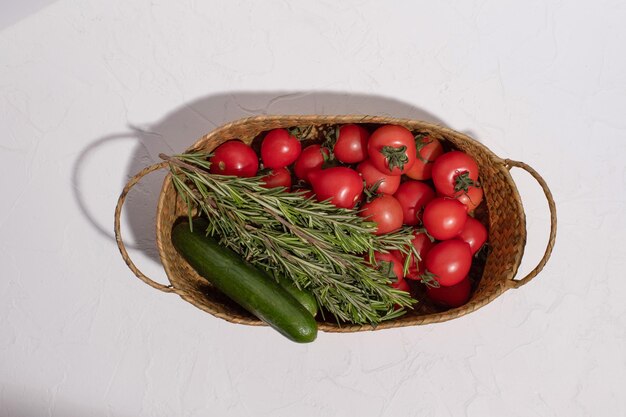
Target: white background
{"x":90,"y":93}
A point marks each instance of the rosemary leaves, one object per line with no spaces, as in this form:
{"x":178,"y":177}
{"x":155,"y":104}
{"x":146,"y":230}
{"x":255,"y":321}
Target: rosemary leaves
{"x":321,"y":248}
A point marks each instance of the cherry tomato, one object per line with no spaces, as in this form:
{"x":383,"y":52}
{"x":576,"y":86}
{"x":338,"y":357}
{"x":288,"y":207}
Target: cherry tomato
{"x":454,"y":172}
{"x":471,"y":198}
{"x":422,"y":244}
{"x":453,"y":296}
{"x":449,"y":261}
{"x":387,"y":184}
{"x":280,"y":177}
{"x":396,"y":275}
{"x":351,"y":145}
{"x":428,"y":150}
{"x":279,"y":149}
{"x":311,"y":159}
{"x":382,"y":261}
{"x":413,"y":196}
{"x":392,"y":149}
{"x":444,"y":218}
{"x":385,"y":211}
{"x":342,"y":185}
{"x":234,"y":158}
{"x":474,"y":234}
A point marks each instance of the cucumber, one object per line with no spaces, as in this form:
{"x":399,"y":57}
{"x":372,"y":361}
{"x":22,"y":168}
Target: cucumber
{"x":248,"y":286}
{"x":304,"y":297}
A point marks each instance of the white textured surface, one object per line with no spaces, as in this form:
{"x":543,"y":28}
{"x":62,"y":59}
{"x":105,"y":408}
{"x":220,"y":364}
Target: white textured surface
{"x":91,"y":91}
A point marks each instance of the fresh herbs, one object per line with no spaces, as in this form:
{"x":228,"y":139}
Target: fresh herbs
{"x":316,"y":245}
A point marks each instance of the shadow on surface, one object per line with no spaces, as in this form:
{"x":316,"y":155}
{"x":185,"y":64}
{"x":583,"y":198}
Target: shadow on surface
{"x":179,"y":129}
{"x":15,"y":11}
{"x":36,"y":402}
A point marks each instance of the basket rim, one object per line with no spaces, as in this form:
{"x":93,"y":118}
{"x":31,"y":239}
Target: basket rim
{"x":296,"y":119}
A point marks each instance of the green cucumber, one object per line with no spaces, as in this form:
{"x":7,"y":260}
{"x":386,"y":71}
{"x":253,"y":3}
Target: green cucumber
{"x":304,"y":297}
{"x":246,"y":285}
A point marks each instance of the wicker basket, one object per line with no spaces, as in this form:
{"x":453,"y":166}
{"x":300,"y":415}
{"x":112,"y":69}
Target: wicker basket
{"x":504,"y":214}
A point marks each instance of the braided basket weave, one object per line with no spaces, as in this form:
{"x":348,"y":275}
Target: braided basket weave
{"x":504,"y":217}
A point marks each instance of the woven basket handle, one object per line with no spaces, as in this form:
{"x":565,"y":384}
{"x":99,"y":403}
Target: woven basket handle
{"x":509,"y":164}
{"x":118,"y":235}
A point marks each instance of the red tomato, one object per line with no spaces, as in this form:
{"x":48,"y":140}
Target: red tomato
{"x":453,"y":296}
{"x":311,"y":159}
{"x":474,"y":234}
{"x":413,"y":196}
{"x":381,"y":262}
{"x":401,"y":285}
{"x":444,"y":218}
{"x":343,"y":186}
{"x":454,"y":172}
{"x":449,"y":261}
{"x":385,"y":211}
{"x":279,"y":149}
{"x":471,"y":198}
{"x":422,"y":244}
{"x":351,"y":145}
{"x":277,"y":178}
{"x":428,"y":150}
{"x":392,"y":149}
{"x":387,"y":184}
{"x":234,"y":158}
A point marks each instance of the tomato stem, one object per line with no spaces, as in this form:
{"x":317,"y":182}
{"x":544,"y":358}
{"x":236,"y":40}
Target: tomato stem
{"x":329,"y":159}
{"x":463,"y":182}
{"x":299,"y":132}
{"x":396,"y":157}
{"x":371,"y":193}
{"x":421,"y":140}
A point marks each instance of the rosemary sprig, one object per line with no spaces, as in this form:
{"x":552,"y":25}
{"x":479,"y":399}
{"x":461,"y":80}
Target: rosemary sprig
{"x":316,"y":245}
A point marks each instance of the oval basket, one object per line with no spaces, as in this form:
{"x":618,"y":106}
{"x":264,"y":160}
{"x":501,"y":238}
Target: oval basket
{"x":504,"y":213}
